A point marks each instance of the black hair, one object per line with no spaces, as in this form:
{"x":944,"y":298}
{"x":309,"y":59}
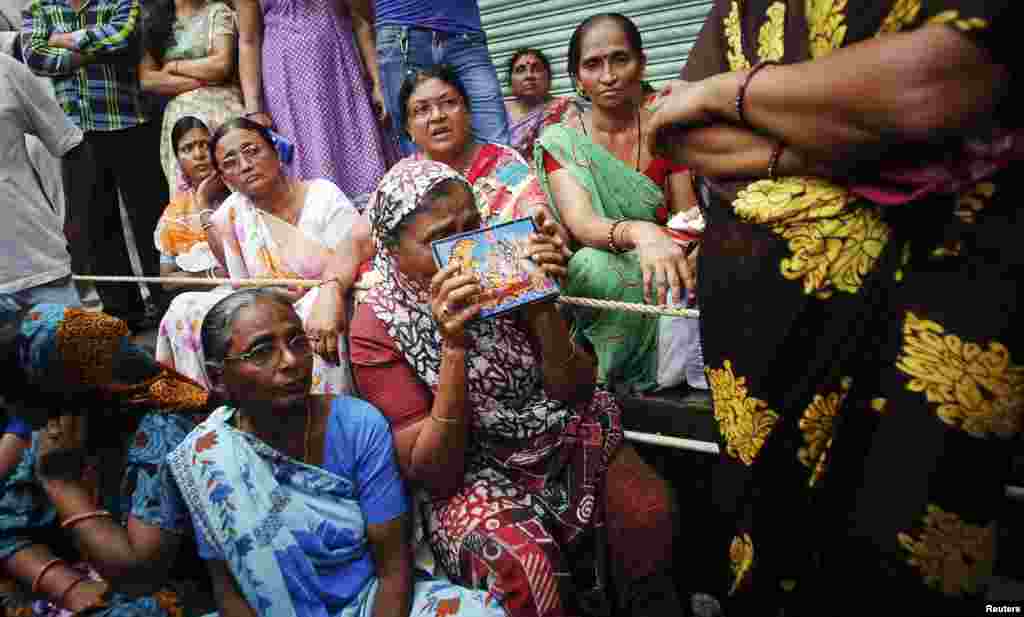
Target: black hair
{"x":182,"y":126}
{"x":576,"y":41}
{"x":219,"y":322}
{"x":158,"y":27}
{"x":442,"y":72}
{"x":244,"y":124}
{"x":528,"y":51}
{"x":443,"y":188}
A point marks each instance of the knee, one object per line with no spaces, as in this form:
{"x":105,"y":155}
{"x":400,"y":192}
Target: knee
{"x":527,"y":574}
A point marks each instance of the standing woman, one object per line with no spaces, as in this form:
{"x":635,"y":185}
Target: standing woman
{"x":864,"y":226}
{"x":190,"y":56}
{"x":303,"y":73}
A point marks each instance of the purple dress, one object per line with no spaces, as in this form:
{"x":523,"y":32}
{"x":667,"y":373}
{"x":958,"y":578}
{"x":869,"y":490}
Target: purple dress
{"x":316,"y":91}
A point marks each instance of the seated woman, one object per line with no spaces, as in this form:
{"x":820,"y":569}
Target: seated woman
{"x":181,"y":234}
{"x":272,"y":227}
{"x":190,"y":48}
{"x":78,"y":369}
{"x":529,"y":78}
{"x":298,"y":505}
{"x":523,"y":480}
{"x":590,"y":165}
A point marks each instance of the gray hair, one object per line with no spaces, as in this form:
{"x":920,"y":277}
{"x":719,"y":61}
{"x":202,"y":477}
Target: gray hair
{"x":219,"y":323}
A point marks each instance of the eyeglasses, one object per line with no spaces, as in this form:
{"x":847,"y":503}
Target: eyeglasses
{"x":424,"y":110}
{"x":268,"y":354}
{"x":251,"y":153}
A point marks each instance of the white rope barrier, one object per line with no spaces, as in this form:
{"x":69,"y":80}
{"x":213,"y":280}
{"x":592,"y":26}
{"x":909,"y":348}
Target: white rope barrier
{"x":676,"y":443}
{"x":651,"y":309}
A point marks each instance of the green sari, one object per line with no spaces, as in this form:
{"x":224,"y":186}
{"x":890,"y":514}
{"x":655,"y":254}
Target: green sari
{"x":626,"y":343}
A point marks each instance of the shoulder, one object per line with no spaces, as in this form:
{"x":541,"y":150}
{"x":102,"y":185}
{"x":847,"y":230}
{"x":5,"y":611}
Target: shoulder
{"x":349,"y":410}
{"x":322,"y":189}
{"x":12,"y":70}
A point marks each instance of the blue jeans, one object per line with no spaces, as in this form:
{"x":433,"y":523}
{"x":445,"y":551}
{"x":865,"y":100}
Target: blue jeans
{"x":402,"y":49}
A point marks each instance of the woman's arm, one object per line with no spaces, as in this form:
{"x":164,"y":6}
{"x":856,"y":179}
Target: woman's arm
{"x":569,"y":372}
{"x":56,"y":583}
{"x":216,"y":68}
{"x":432,"y":452}
{"x":172,"y":270}
{"x":849,"y":105}
{"x":390,"y":547}
{"x":156,"y":81}
{"x":250,"y":49}
{"x":225,"y":590}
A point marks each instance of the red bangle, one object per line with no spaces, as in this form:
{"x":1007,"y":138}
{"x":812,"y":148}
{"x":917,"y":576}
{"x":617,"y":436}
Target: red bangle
{"x":78,"y":518}
{"x":46,"y":568}
{"x":742,"y":94}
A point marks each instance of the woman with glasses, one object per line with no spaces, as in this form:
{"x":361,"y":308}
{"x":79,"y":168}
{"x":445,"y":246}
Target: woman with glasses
{"x":297,"y":500}
{"x":273,"y":226}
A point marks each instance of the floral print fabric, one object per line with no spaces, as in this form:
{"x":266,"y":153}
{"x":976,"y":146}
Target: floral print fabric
{"x":861,"y":344}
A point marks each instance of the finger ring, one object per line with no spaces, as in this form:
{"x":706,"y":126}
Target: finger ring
{"x":444,"y":309}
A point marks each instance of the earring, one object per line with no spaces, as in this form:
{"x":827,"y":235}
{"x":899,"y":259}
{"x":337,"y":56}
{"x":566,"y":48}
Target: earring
{"x":579,"y":90}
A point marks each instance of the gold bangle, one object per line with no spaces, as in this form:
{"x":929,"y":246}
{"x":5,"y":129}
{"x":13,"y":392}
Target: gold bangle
{"x":612,"y":244}
{"x":444,"y":420}
{"x":46,"y":568}
{"x":74,"y":520}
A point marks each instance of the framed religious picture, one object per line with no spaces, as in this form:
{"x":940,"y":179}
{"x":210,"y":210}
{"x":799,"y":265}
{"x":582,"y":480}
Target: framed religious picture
{"x":497,"y":256}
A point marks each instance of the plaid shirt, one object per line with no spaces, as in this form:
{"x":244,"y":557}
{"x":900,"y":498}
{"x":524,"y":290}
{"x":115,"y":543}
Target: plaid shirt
{"x":98,"y":83}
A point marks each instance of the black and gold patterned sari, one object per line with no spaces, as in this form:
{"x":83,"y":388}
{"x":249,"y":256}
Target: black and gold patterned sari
{"x":865,"y":361}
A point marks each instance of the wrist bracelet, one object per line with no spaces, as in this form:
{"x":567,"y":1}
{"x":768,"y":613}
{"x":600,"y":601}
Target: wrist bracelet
{"x":612,"y":244}
{"x":46,"y":568}
{"x":74,"y":520}
{"x":741,"y":95}
{"x":444,"y":420}
{"x":773,"y":161}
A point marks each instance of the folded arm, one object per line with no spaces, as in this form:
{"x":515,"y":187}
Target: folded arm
{"x":850,"y":105}
{"x":217,"y":67}
{"x":116,"y":35}
{"x":153,"y":78}
{"x":42,"y":57}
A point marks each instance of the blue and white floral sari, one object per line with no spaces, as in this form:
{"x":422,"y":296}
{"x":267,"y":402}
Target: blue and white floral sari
{"x":288,"y":530}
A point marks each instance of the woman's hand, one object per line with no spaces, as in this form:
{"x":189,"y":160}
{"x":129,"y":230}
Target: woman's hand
{"x":211,"y":190}
{"x":262,"y":118}
{"x":377,"y":96}
{"x":663,"y":262}
{"x":454,"y":301}
{"x":680,"y":105}
{"x":60,"y":458}
{"x":547,"y":248}
{"x":327,"y":320}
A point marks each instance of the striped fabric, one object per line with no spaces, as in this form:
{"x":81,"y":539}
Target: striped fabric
{"x":97,"y":84}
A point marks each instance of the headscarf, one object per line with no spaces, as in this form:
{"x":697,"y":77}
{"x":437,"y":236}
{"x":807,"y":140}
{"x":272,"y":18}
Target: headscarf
{"x":406,"y":306}
{"x":64,"y":350}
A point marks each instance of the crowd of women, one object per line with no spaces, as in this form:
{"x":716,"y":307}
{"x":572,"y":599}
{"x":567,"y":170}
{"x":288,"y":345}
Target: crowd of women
{"x":832,"y":187}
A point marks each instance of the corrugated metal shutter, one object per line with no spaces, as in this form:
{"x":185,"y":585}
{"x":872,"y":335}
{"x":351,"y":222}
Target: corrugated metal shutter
{"x":669,"y":28}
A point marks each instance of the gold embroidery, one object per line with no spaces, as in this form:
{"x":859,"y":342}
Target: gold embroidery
{"x":903,"y":14}
{"x":745,"y":421}
{"x":974,"y":200}
{"x":833,"y":247}
{"x":741,"y":556}
{"x":771,"y":37}
{"x":952,"y":18}
{"x":904,"y":260}
{"x":734,"y":36}
{"x":950,"y":554}
{"x":816,"y":426}
{"x":880,"y":405}
{"x":826,"y":26}
{"x":978,"y":390}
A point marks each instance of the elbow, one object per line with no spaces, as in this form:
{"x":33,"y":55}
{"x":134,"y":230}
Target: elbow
{"x":439,"y":484}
